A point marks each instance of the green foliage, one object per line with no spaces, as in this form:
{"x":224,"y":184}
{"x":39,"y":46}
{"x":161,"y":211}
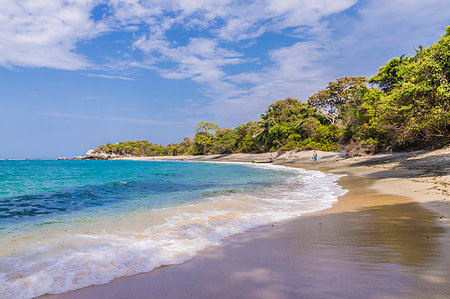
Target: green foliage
{"x":337,"y":93}
{"x":186,"y":147}
{"x":286,"y":123}
{"x":308,"y":127}
{"x":414,"y":111}
{"x":204,"y":137}
{"x":224,"y":141}
{"x":410,"y":109}
{"x":389,"y":75}
{"x":134,"y":148}
{"x":246,"y":135}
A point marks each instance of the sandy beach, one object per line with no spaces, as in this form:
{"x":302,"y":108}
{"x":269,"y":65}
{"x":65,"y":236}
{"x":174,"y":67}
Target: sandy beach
{"x":388,"y":237}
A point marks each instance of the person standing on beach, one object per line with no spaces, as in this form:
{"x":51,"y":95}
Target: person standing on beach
{"x":315,"y":156}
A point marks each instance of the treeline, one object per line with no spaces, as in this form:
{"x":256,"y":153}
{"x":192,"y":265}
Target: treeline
{"x":405,"y":106}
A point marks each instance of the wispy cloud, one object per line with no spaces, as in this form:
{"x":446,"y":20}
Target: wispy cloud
{"x":141,"y":121}
{"x":91,"y":98}
{"x":204,"y":60}
{"x":109,"y":76}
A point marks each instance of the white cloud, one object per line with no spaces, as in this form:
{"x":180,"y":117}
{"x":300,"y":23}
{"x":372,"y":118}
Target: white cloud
{"x":39,"y":33}
{"x":351,"y":45}
{"x":210,"y":38}
{"x":200,"y":60}
{"x":293,"y":13}
{"x":226,"y":21}
{"x":382,"y":30}
{"x":295,"y":71}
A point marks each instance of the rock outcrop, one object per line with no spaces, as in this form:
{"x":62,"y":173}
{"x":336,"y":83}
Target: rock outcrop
{"x":93,"y":155}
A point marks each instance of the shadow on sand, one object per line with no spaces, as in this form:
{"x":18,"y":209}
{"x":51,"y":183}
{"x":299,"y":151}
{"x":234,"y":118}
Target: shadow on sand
{"x":413,"y":164}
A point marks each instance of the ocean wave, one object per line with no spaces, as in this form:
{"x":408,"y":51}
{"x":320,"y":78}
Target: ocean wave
{"x":62,"y":257}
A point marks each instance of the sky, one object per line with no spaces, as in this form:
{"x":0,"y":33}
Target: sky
{"x":75,"y":74}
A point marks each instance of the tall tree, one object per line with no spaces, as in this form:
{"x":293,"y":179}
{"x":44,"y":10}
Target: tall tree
{"x":390,"y":74}
{"x":336,"y":94}
{"x":224,"y":141}
{"x":204,"y":136}
{"x":415,"y":110}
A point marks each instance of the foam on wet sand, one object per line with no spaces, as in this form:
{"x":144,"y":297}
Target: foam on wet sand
{"x":369,"y":244}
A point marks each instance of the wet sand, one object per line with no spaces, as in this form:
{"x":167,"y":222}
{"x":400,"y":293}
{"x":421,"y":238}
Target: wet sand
{"x":368,"y":245}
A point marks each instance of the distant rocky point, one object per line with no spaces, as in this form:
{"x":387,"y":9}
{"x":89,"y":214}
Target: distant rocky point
{"x":92,"y":155}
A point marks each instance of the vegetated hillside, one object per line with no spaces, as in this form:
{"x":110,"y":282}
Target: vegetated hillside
{"x":405,"y":106}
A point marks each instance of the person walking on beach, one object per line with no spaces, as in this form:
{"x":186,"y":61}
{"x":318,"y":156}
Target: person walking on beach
{"x":315,"y":156}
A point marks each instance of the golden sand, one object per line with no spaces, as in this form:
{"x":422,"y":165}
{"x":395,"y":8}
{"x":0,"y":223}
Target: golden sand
{"x":388,"y":237}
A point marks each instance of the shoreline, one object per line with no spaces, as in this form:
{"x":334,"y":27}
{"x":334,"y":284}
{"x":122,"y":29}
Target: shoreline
{"x":387,"y":174}
{"x":419,"y":175}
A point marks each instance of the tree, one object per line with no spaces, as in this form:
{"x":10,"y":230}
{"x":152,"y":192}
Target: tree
{"x":186,"y":147}
{"x":409,"y":110}
{"x":280,"y":126}
{"x":204,"y":136}
{"x":336,"y":94}
{"x":224,"y":141}
{"x":246,"y":138}
{"x":309,"y":126}
{"x":389,"y":75}
{"x":414,"y":111}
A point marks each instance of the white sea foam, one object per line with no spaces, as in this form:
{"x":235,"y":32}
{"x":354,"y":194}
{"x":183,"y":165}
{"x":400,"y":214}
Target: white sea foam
{"x":59,"y":258}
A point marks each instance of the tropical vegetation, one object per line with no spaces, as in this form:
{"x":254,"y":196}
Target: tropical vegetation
{"x":405,"y":106}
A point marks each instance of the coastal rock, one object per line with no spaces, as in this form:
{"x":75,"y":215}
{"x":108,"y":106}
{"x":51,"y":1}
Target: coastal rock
{"x":90,"y":153}
{"x":93,"y":155}
{"x":103,"y":156}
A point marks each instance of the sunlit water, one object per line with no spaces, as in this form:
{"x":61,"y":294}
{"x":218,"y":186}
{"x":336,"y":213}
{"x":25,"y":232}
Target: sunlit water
{"x":70,"y":224}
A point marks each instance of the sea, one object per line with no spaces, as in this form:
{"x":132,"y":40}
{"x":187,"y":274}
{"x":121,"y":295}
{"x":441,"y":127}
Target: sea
{"x":65,"y":225}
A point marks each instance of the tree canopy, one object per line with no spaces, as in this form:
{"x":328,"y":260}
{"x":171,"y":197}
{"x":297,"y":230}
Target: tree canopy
{"x":337,"y":94}
{"x":407,"y":107}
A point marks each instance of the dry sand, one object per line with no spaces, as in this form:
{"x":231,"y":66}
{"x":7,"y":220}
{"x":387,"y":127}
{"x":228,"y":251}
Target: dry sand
{"x":388,"y":237}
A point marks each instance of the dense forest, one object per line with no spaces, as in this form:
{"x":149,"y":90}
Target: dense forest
{"x":405,"y":106}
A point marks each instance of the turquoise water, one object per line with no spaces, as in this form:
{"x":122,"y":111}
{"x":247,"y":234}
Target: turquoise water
{"x":65,"y":225}
{"x":36,"y":190}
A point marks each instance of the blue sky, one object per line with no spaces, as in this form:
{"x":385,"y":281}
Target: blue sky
{"x":76,"y":74}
